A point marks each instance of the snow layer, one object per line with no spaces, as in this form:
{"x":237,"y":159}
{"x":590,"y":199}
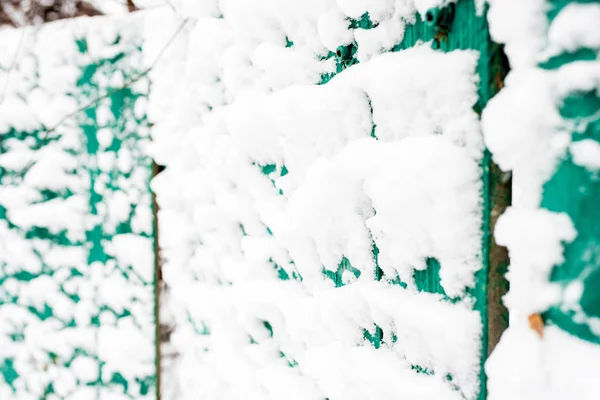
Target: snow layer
{"x":76,"y":291}
{"x":523,"y":366}
{"x":586,"y":153}
{"x":526,"y":133}
{"x":535,"y":239}
{"x":293,"y":215}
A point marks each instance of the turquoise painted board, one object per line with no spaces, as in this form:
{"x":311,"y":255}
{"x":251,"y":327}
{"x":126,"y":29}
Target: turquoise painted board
{"x":276,"y":254}
{"x":458,"y":26}
{"x":76,"y":228}
{"x":574,"y":189}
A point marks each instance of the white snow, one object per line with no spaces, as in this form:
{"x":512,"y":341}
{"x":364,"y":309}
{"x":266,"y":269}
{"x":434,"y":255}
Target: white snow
{"x":334,"y":30}
{"x":576,"y":26}
{"x":387,"y":193}
{"x":46,"y":191}
{"x":535,"y":239}
{"x":586,"y":153}
{"x":523,"y":366}
{"x":273,"y":181}
{"x":521,"y":26}
{"x":525,"y":132}
{"x":225,"y":108}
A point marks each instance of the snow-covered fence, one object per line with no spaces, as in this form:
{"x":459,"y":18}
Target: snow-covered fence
{"x":545,"y":126}
{"x":325,"y":208}
{"x":327,"y":204}
{"x":574,"y":188}
{"x":76,"y":228}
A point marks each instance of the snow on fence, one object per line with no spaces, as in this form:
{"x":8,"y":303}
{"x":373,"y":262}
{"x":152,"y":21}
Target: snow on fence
{"x":76,"y":232}
{"x":327,"y":207}
{"x":545,"y":126}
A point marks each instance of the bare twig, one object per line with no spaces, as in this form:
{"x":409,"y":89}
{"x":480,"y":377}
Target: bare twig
{"x":172,"y":6}
{"x":12,"y":66}
{"x":46,"y":133}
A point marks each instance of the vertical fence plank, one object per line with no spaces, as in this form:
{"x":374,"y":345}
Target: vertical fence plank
{"x":574,"y":189}
{"x":544,"y":126}
{"x":77,"y":268}
{"x":468,"y":29}
{"x":197,"y":260}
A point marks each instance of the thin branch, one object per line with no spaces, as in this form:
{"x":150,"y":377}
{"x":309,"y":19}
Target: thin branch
{"x":172,"y":6}
{"x":12,"y":66}
{"x":100,"y":98}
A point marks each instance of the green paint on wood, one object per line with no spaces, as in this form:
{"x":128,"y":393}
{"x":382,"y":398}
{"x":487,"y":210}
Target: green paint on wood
{"x":375,"y":338}
{"x":363,"y":23}
{"x":338,"y":275}
{"x":455,"y":27}
{"x":269,"y":169}
{"x":565,"y":58}
{"x":556,"y":6}
{"x":118,"y":379}
{"x":8,"y":372}
{"x":128,"y":130}
{"x":428,"y":280}
{"x":422,"y":370}
{"x":574,"y":190}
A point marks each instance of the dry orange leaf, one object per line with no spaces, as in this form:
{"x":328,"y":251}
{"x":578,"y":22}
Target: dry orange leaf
{"x":537,"y":324}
